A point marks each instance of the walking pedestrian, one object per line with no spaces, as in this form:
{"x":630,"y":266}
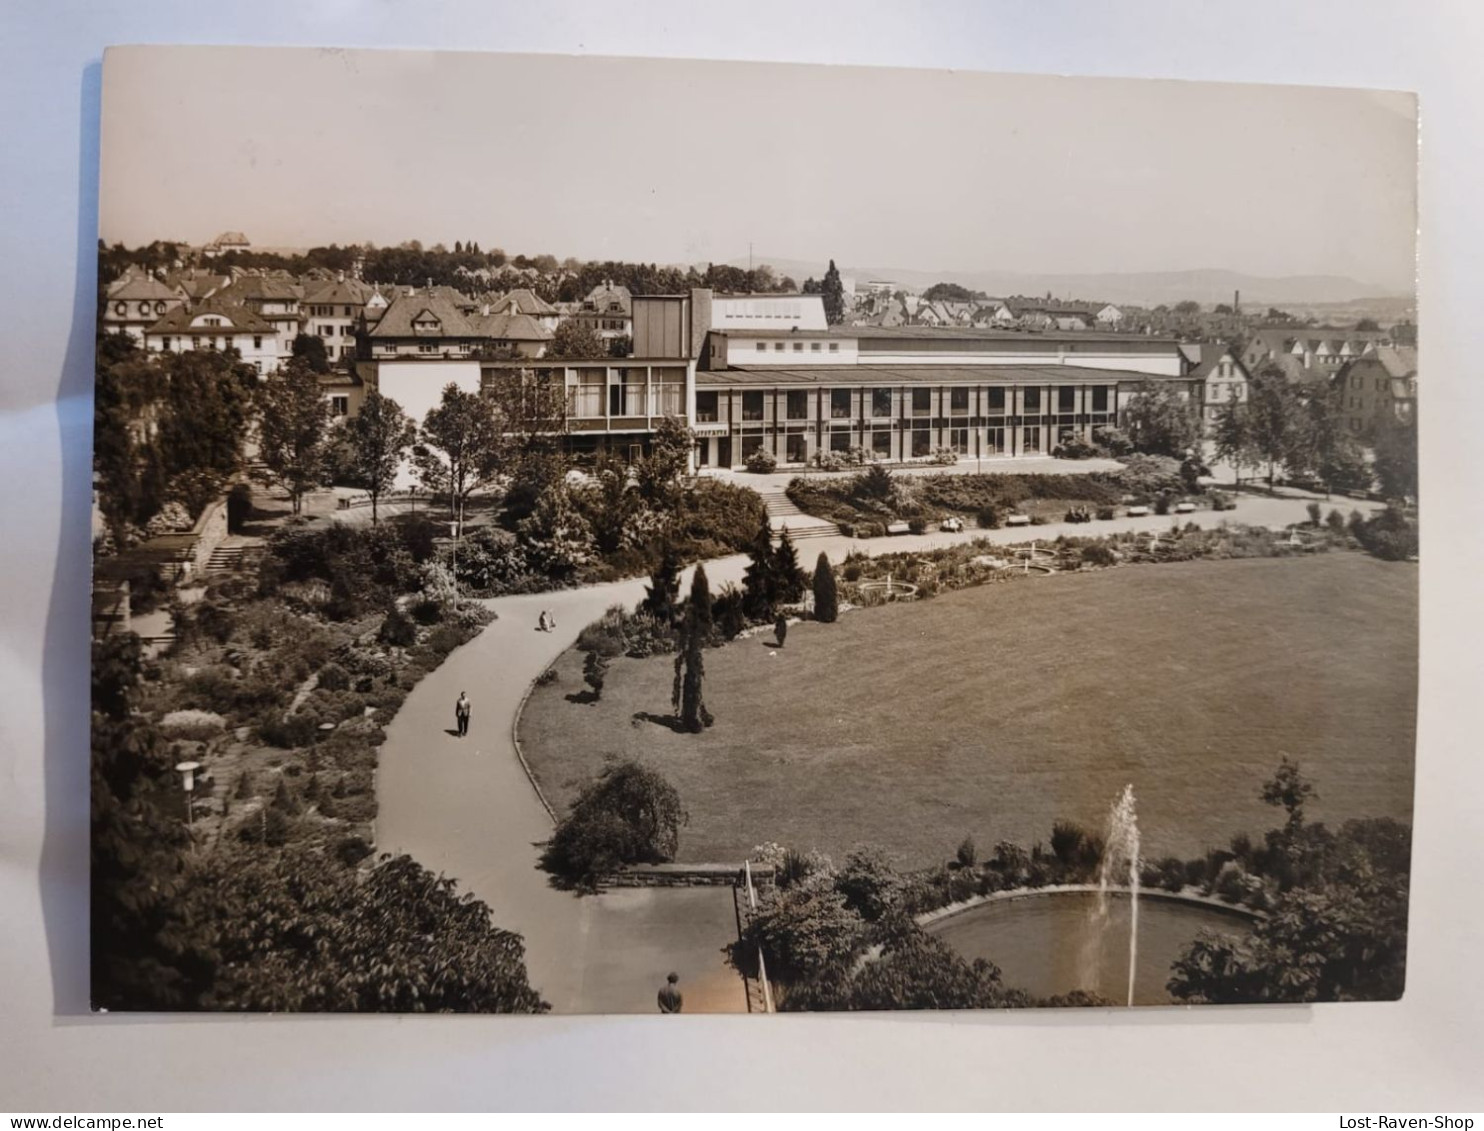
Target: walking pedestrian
{"x":669,"y":996}
{"x":461,"y":714}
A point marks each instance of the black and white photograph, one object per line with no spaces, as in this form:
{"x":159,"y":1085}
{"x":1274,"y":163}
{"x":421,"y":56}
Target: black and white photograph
{"x":592,"y":535}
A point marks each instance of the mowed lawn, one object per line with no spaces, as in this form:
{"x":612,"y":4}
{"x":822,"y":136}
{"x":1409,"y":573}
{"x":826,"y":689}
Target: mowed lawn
{"x":994,"y":711}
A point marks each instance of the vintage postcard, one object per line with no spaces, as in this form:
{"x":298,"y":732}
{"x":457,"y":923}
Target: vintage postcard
{"x":607,"y":535}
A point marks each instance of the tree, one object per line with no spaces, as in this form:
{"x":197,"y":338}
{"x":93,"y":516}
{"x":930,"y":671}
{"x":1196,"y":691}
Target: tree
{"x":687,"y":696}
{"x":1367,"y":325}
{"x":1289,"y":790}
{"x":788,"y":578}
{"x":292,"y":418}
{"x":662,"y":594}
{"x":1396,"y":457}
{"x":826,"y":597}
{"x":759,"y":580}
{"x":868,"y":882}
{"x":628,"y":814}
{"x":576,"y":340}
{"x":915,"y":970}
{"x":555,"y":536}
{"x":700,"y":602}
{"x":301,"y":931}
{"x":802,"y":933}
{"x":1160,"y":421}
{"x":595,"y":671}
{"x":833,"y":291}
{"x":378,"y":437}
{"x":658,"y":474}
{"x":1230,"y":436}
{"x":310,"y":349}
{"x":145,"y":953}
{"x":458,"y":449}
{"x":950,"y":291}
{"x":1273,"y":412}
{"x":1321,"y":444}
{"x":1187,"y":306}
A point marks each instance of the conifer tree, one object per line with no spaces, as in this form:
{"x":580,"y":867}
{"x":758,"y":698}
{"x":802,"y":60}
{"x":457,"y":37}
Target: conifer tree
{"x":662,"y":595}
{"x":788,"y":578}
{"x":826,"y":598}
{"x":759,"y":585}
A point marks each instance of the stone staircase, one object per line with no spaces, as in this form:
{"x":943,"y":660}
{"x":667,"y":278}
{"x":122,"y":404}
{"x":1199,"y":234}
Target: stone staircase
{"x":783,"y":515}
{"x":230,"y":557}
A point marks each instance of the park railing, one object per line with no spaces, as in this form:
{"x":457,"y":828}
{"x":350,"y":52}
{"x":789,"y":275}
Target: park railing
{"x":762,"y":965}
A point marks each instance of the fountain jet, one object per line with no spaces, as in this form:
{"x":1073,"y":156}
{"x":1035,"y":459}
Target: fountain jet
{"x":1119,"y":868}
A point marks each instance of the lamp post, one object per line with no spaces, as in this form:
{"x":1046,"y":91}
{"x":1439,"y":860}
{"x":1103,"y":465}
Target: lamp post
{"x":187,"y":772}
{"x":454,"y":529}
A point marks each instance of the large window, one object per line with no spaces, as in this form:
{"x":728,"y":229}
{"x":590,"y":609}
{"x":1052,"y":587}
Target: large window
{"x":1100,"y":398}
{"x":1032,"y":400}
{"x":922,"y":442}
{"x":585,"y":399}
{"x":797,"y":448}
{"x":839,"y":441}
{"x":880,"y":402}
{"x":798,"y":404}
{"x":706,"y":408}
{"x":958,"y":440}
{"x":997,"y":400}
{"x":839,"y":404}
{"x":1032,"y":437}
{"x":1066,"y":398}
{"x":339,"y":405}
{"x":994,"y":441}
{"x":958,"y":401}
{"x":752,"y":407}
{"x":881,"y":445}
{"x":922,"y":402}
{"x":751,"y":444}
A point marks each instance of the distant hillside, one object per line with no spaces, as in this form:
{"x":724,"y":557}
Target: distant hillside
{"x":1141,"y":288}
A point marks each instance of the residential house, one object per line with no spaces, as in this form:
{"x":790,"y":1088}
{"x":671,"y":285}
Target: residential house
{"x":419,"y":324}
{"x":218,"y":325}
{"x":334,"y":311}
{"x":135,"y":303}
{"x":608,"y":311}
{"x":527,"y":302}
{"x":275,"y":299}
{"x":1222,"y":378}
{"x":1378,"y":386}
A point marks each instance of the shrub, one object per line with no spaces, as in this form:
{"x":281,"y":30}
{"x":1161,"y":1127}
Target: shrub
{"x":1162,"y":503}
{"x":1170,"y":873}
{"x":1315,"y":512}
{"x":1335,"y":522}
{"x":966,"y":855}
{"x":397,"y":630}
{"x":267,"y":826}
{"x":1098,"y":554}
{"x":287,"y":731}
{"x":869,"y":884}
{"x":351,"y":850}
{"x":332,"y":677}
{"x":628,"y":814}
{"x":802,"y":931}
{"x":761,"y":462}
{"x":727,"y":611}
{"x":594,"y":672}
{"x":549,"y":676}
{"x":988,"y":517}
{"x":916,"y":526}
{"x":944,"y":457}
{"x":1220,"y":502}
{"x":1106,"y":514}
{"x":193,"y":724}
{"x":239,"y":507}
{"x":1078,"y":448}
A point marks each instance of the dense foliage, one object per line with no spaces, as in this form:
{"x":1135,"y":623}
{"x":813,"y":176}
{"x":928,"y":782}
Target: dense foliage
{"x":629,"y":814}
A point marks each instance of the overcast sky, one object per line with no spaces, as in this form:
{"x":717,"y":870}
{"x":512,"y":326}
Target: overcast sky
{"x":680,"y":162}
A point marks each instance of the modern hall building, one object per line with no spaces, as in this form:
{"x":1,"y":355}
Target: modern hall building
{"x":897,"y":394}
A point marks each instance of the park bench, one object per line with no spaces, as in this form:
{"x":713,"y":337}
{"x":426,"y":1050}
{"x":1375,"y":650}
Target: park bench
{"x":898,"y":528}
{"x":1184,"y":508}
{"x":1018,"y":520}
{"x":1138,"y":512}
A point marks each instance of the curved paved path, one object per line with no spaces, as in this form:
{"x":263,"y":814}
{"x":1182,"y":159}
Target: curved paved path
{"x":464,"y":807}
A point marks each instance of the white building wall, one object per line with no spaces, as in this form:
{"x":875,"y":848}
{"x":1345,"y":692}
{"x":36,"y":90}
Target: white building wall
{"x":418,"y":386}
{"x":742,"y":349}
{"x":784,"y":312}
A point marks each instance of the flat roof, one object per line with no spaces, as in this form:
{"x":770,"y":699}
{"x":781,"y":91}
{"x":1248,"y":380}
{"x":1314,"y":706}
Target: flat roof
{"x":739,"y":376}
{"x":954,"y":333}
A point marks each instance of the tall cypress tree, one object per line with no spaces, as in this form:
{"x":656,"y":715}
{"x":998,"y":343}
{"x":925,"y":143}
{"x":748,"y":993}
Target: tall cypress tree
{"x":833,"y":291}
{"x":826,"y":598}
{"x":700,"y":602}
{"x":690,"y":666}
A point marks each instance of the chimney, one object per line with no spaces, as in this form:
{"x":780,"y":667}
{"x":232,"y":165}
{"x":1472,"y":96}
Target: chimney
{"x":1237,"y":302}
